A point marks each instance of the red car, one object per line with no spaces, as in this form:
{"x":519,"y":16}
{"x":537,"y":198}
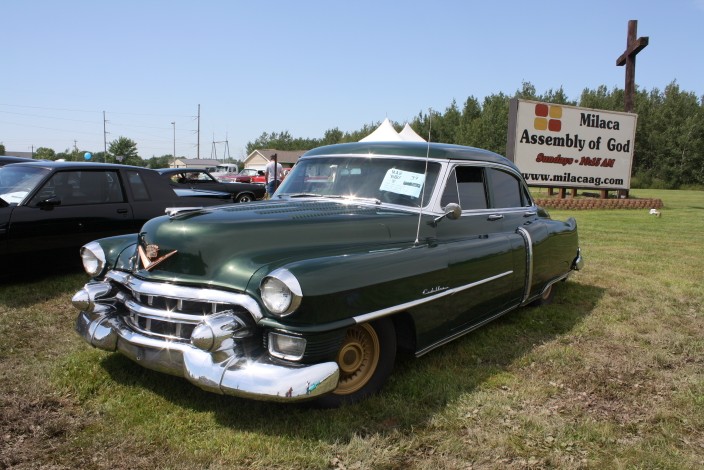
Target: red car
{"x":247,"y":175}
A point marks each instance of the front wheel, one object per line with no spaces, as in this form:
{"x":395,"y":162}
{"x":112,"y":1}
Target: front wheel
{"x":365,"y":359}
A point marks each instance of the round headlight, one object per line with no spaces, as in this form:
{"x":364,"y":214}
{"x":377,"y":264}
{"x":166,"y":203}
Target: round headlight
{"x":93,"y":258}
{"x":281,"y":292}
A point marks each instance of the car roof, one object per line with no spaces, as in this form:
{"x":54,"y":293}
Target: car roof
{"x":78,"y":165}
{"x":432,"y":150}
{"x":7,"y":159}
{"x":182,"y":170}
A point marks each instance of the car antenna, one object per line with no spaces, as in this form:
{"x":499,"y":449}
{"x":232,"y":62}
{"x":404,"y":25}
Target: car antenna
{"x":425,"y":176}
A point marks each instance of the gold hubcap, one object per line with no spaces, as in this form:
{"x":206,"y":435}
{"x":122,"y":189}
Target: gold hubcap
{"x":357,"y":359}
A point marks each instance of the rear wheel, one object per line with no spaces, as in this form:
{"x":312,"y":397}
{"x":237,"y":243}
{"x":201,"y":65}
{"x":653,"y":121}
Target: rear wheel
{"x":365,"y":359}
{"x":244,"y":198}
{"x":545,"y":298}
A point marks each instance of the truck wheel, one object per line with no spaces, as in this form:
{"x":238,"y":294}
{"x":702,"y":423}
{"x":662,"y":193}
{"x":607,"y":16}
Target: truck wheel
{"x":366,"y":359}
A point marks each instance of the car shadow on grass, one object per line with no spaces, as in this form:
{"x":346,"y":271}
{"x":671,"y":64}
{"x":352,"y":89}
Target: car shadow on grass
{"x":416,"y":391}
{"x":25,"y":284}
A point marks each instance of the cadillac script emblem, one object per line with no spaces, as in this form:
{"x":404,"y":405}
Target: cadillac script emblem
{"x":150,"y":258}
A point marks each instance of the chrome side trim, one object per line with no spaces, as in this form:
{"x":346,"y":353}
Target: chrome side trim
{"x":186,"y":293}
{"x":528,"y":241}
{"x":471,"y":328}
{"x":414,"y":303}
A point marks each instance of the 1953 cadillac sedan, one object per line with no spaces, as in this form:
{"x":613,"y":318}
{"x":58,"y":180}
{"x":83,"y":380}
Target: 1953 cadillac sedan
{"x":366,"y":249}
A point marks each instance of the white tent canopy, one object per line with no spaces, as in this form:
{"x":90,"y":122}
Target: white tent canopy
{"x":384,"y":133}
{"x":407,"y":133}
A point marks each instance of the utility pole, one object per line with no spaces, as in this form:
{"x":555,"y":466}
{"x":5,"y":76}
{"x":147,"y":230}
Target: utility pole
{"x":173,"y":123}
{"x":198,"y":134}
{"x":105,"y":140}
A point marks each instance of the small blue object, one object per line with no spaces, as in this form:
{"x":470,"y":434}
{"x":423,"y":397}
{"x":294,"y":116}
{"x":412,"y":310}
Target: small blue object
{"x":87,"y":155}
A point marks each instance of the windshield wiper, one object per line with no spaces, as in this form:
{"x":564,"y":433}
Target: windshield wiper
{"x":359,"y":198}
{"x":334,"y":196}
{"x":303,"y":195}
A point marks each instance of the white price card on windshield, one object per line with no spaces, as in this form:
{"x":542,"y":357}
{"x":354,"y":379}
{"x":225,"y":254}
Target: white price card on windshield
{"x":403,"y":182}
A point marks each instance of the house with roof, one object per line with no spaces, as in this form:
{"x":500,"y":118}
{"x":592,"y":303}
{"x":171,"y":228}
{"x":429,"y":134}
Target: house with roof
{"x":258,"y":159}
{"x":194,"y":163}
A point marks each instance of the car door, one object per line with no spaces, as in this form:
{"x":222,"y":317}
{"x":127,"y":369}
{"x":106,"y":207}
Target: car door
{"x":480,"y":264}
{"x":526,"y":230}
{"x":70,"y":209}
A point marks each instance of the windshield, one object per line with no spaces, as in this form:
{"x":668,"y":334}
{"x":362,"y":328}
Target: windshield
{"x":17,"y":181}
{"x":393,"y":180}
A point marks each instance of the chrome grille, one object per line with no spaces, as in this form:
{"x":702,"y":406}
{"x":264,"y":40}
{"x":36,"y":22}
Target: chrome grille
{"x":171,"y":312}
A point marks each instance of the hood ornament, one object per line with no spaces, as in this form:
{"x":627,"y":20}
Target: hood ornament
{"x":150,"y":258}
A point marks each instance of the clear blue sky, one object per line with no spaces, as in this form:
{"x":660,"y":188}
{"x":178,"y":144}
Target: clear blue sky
{"x":307,"y":66}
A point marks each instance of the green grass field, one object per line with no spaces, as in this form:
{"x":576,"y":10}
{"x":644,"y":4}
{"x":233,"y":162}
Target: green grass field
{"x":611,"y":375}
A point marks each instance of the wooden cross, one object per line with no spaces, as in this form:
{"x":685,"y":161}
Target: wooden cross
{"x":628,"y":58}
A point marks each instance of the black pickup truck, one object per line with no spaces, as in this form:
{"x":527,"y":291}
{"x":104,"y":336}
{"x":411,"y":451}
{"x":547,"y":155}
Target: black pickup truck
{"x":60,"y":206}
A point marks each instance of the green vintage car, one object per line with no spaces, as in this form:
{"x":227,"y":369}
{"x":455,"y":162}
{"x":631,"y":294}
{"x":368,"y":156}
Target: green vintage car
{"x":366,"y":249}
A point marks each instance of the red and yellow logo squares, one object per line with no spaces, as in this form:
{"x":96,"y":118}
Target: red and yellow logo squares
{"x":548,"y":118}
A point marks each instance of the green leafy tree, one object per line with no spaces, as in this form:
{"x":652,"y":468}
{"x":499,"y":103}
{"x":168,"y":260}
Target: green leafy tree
{"x":332,"y":136}
{"x":471,"y":115}
{"x":65,"y":155}
{"x":160,"y":162}
{"x":446,"y":126}
{"x":45,"y":153}
{"x":2,"y":149}
{"x":127,"y":149}
{"x":668,"y":150}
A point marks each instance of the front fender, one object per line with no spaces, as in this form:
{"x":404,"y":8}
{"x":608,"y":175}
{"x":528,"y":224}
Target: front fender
{"x":119,"y":251}
{"x":340,"y":287}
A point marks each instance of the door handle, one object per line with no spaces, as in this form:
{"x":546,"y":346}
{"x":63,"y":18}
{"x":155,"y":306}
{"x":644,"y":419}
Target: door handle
{"x":530,"y":214}
{"x":495,"y":217}
{"x":122,"y":211}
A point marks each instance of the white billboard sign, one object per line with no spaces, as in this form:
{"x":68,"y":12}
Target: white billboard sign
{"x":570,"y":147}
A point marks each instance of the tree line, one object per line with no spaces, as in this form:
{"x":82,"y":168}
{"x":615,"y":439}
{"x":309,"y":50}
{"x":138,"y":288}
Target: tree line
{"x":668,"y":151}
{"x":669,"y":145}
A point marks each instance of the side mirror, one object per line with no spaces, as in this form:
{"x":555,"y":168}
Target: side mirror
{"x":49,"y":203}
{"x":453,"y":211}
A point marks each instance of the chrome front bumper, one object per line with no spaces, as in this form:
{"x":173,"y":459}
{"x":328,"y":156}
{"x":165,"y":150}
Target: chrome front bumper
{"x":227,"y":372}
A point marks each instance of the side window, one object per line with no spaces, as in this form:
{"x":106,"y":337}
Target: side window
{"x":98,"y":187}
{"x":139,"y":189}
{"x":505,"y":189}
{"x":466,"y":187}
{"x":115,"y":192}
{"x":55,"y":188}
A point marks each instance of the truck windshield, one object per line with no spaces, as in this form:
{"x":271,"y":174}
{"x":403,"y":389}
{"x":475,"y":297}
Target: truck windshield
{"x":393,"y":180}
{"x":16,"y":182}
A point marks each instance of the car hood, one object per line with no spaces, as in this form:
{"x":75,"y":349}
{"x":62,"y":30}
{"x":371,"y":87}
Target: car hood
{"x":227,"y":245}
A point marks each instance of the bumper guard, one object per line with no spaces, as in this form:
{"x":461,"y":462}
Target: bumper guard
{"x":225,"y":372}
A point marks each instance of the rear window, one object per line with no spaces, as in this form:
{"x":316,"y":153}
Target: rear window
{"x":505,"y":189}
{"x":139,"y":189}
